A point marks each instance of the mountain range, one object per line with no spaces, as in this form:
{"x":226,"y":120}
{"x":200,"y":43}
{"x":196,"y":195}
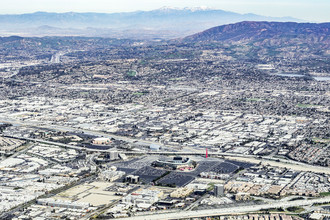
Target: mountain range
{"x":161,"y":23}
{"x":271,"y":40}
{"x":243,"y":40}
{"x":249,"y":31}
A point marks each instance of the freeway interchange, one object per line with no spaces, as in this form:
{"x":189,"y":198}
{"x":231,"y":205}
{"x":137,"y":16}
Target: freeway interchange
{"x":279,"y":162}
{"x":196,"y":151}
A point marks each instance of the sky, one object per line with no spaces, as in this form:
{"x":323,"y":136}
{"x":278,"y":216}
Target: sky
{"x":309,"y":10}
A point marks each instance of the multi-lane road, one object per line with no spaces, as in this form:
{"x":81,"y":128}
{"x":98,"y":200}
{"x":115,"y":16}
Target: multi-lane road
{"x":229,"y":211}
{"x":245,"y":158}
{"x":190,"y":214}
{"x":279,"y":162}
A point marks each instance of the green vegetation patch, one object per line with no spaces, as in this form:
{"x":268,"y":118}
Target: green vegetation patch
{"x":321,"y":204}
{"x":295,"y":209}
{"x":325,"y":194}
{"x":320,"y":140}
{"x":18,"y":188}
{"x":131,"y":73}
{"x":210,"y":186}
{"x":140,"y":93}
{"x":163,"y":175}
{"x":297,"y":198}
{"x":273,"y":210}
{"x":239,"y":170}
{"x":307,"y":106}
{"x":175,"y":79}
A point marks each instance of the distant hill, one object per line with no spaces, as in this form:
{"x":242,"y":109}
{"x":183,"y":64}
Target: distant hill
{"x":265,"y":32}
{"x":161,"y":23}
{"x":253,"y":40}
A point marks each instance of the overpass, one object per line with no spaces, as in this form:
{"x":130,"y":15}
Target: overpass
{"x":279,"y":162}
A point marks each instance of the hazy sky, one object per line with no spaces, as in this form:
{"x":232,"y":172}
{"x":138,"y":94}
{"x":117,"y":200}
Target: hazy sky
{"x":310,"y":10}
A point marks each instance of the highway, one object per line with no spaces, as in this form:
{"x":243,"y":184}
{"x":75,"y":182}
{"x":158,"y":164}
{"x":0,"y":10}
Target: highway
{"x":290,"y":164}
{"x":245,"y":158}
{"x":228,"y":211}
{"x":74,"y":130}
{"x":197,"y":152}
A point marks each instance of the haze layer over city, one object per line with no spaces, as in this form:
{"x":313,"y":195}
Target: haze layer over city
{"x":165,"y":109}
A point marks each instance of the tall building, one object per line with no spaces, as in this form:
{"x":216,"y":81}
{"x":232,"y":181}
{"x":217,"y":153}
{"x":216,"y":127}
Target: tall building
{"x":113,"y":155}
{"x":218,"y":190}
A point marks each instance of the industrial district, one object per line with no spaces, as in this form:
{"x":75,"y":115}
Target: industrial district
{"x":142,"y":130}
